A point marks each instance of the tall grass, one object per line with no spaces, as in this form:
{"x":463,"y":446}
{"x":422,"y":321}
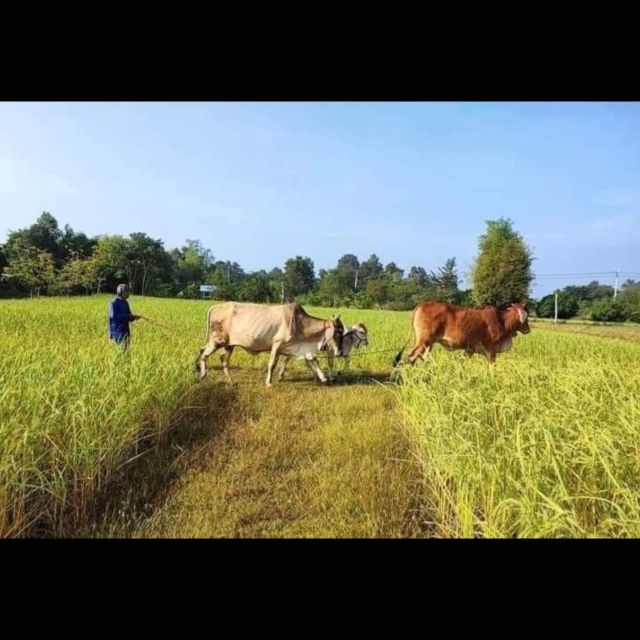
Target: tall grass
{"x":544,"y":444}
{"x":73,"y":409}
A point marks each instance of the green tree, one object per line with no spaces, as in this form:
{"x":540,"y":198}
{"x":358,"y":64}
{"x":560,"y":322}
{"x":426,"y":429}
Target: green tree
{"x":419,"y":276}
{"x":331,"y":288}
{"x":393,"y":272}
{"x":227,"y":278}
{"x":568,"y":306}
{"x":44,"y":235}
{"x":444,"y":283}
{"x":76,"y":245}
{"x":502,"y":271}
{"x":376,"y":291}
{"x":191,"y":265}
{"x":608,"y":311}
{"x":31,"y":267}
{"x":299,"y":277}
{"x":593,"y":291}
{"x":276,"y":284}
{"x":629,"y":300}
{"x":109,"y":262}
{"x":147,"y":262}
{"x":370,"y":268}
{"x":254,"y":287}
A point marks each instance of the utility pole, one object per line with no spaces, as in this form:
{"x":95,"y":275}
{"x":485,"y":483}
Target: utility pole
{"x":355,"y":286}
{"x":555,"y":315}
{"x":615,"y":290}
{"x":282,"y":292}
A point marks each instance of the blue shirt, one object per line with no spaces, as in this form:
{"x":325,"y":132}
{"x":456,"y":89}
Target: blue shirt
{"x":119,"y":318}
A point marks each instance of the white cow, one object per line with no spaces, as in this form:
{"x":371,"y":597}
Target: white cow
{"x":286,"y":330}
{"x":353,"y":338}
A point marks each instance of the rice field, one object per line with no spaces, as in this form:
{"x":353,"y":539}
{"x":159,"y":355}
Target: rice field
{"x":544,"y":444}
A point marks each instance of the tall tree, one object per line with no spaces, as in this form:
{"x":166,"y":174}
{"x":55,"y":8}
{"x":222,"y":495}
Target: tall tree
{"x":44,"y":235}
{"x":146,"y":261}
{"x":369,"y":268}
{"x":393,"y":272}
{"x":31,"y":267}
{"x":418,"y":275}
{"x":76,"y":245}
{"x":502,"y":271}
{"x":299,"y":277}
{"x":191,"y":265}
{"x":109,"y":261}
{"x":445,"y":282}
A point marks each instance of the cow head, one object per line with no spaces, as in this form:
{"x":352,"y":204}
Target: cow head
{"x":334,"y":334}
{"x":522,"y":322}
{"x":360,"y":332}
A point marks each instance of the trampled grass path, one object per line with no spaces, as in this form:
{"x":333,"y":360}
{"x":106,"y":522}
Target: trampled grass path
{"x":296,"y":460}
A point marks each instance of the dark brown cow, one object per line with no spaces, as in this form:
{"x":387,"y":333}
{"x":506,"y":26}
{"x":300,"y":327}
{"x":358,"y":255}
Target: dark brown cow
{"x":488,"y":331}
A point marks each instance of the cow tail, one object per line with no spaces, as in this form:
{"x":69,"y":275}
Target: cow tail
{"x":396,"y":360}
{"x":206,"y":340}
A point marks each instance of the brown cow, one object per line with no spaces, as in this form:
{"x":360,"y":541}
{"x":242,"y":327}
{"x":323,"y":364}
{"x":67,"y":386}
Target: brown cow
{"x":487,"y":331}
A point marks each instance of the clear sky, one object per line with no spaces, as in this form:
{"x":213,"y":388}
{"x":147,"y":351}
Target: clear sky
{"x":261,"y":182}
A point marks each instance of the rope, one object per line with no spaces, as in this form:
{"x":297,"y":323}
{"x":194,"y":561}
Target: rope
{"x":362,"y":353}
{"x":305,"y":378}
{"x":155,"y":323}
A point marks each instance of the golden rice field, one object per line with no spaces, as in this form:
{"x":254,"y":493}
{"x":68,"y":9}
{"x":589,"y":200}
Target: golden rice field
{"x":544,"y":444}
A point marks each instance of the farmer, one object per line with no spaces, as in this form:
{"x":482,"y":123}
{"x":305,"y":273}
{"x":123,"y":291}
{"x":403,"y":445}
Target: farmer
{"x":120,"y":316}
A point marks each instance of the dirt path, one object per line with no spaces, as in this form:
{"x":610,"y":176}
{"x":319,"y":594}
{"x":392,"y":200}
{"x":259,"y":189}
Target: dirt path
{"x":296,"y":460}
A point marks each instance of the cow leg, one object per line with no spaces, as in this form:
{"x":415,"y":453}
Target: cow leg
{"x":330,"y":365}
{"x":283,"y":366}
{"x":273,"y":361}
{"x":426,"y":352}
{"x":205,"y":352}
{"x":310,"y":367}
{"x":224,"y":359}
{"x":419,"y":352}
{"x":313,"y":364}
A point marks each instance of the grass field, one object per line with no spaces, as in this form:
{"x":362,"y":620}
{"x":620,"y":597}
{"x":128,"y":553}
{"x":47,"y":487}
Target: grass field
{"x":94,"y":442}
{"x":545,"y":444}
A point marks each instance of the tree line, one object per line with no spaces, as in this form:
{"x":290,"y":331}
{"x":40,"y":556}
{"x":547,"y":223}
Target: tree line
{"x":594,"y":301}
{"x":45,"y":259}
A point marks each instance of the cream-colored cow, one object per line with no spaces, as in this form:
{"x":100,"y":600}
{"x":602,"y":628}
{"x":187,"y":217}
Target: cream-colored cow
{"x":283,"y":330}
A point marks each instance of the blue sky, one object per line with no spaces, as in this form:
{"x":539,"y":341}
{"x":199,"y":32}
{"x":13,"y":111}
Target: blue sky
{"x":261,"y":182}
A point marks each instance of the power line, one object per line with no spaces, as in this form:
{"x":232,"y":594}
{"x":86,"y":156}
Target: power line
{"x":587,"y":273}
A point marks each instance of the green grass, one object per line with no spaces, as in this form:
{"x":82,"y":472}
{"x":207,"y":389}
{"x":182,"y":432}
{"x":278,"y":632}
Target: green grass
{"x":626,"y":331}
{"x":544,"y":444}
{"x":93,"y":442}
{"x":74,"y":410}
